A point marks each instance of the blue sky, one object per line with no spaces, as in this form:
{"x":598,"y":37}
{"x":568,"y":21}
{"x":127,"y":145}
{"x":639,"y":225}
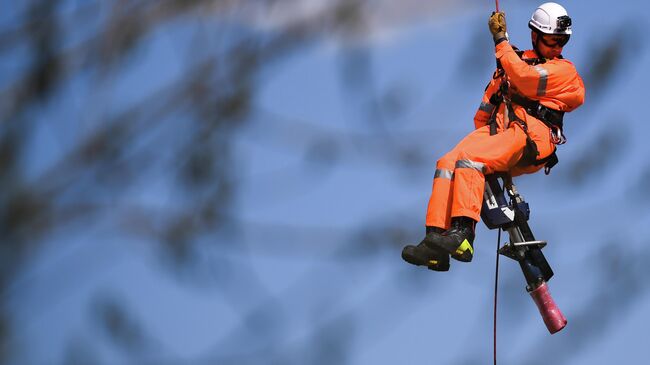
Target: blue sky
{"x":300,"y":215}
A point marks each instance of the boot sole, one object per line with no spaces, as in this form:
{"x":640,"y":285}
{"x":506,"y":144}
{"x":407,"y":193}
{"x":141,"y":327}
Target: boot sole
{"x":435,"y":265}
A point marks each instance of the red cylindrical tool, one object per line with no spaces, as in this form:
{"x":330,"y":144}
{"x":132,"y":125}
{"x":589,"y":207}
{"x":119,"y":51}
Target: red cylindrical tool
{"x":553,"y":317}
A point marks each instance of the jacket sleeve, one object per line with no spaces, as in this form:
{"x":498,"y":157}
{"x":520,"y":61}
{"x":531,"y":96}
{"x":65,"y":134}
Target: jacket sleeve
{"x":485,"y":109}
{"x":555,"y":83}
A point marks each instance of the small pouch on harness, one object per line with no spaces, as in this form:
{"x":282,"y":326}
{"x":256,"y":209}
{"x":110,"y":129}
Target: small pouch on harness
{"x":529,"y":157}
{"x":548,"y":162}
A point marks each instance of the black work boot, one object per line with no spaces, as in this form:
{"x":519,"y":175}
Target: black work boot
{"x":421,"y":255}
{"x":457,"y":240}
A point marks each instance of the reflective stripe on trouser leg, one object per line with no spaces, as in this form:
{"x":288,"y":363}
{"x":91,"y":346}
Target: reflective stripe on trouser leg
{"x":468,"y":189}
{"x":469,"y":164}
{"x":439,"y":208}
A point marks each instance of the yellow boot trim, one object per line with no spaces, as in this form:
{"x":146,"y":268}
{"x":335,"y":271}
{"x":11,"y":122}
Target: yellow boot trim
{"x":433,"y":262}
{"x":464,"y":247}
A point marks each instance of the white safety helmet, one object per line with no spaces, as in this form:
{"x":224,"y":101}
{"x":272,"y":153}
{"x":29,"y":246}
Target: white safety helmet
{"x":550,"y":18}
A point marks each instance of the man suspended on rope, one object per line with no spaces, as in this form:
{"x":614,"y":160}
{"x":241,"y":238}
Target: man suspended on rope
{"x":518,"y":124}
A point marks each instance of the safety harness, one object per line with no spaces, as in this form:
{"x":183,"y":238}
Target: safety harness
{"x":551,"y":117}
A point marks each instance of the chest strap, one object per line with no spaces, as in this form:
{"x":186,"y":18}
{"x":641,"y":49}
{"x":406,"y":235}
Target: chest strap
{"x":551,"y":117}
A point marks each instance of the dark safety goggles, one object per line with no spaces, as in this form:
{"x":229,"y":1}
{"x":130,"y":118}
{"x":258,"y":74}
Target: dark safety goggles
{"x":555,"y":40}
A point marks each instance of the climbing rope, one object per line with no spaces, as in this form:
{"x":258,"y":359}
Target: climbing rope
{"x":496,"y":270}
{"x":496,"y":286}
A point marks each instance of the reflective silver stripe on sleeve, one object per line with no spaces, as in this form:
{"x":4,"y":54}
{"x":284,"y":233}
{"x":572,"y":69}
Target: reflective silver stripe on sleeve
{"x":445,"y":174}
{"x":486,"y":107}
{"x":543,"y":80}
{"x":469,"y":164}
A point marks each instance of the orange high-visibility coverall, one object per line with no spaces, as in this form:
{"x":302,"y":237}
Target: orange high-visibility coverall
{"x":459,"y":179}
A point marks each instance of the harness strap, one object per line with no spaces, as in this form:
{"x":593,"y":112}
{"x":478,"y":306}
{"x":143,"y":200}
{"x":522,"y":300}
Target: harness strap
{"x":554,"y":119}
{"x":548,"y":162}
{"x":547,"y":115}
{"x":529,"y":157}
{"x":550,"y":117}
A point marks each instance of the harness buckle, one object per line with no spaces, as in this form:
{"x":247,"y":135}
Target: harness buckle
{"x":542,"y":112}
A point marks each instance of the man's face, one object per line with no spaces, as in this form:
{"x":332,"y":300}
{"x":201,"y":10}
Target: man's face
{"x":550,"y":45}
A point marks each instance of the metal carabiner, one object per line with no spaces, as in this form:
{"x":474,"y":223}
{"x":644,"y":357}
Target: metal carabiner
{"x":557,"y":137}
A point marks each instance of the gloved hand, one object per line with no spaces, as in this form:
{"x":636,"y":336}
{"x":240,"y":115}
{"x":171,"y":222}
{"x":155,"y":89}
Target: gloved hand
{"x":497,"y":24}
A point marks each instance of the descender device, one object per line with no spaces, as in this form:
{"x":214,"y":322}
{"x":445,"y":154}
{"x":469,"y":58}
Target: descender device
{"x":510,"y":212}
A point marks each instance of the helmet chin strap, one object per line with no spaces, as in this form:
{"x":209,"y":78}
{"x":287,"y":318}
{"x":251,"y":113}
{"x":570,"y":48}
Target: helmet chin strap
{"x":536,"y":44}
